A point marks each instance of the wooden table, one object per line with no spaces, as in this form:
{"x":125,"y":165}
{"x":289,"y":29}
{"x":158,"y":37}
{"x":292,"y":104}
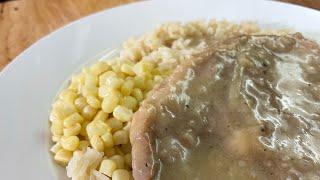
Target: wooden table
{"x":22,"y":22}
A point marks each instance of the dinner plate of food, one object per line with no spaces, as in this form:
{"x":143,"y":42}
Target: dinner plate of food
{"x":168,"y":90}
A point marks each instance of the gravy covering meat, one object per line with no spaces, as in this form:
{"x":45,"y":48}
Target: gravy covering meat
{"x":249,"y":108}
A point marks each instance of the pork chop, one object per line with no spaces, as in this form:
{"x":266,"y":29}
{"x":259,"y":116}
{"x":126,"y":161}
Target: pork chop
{"x":247,"y":109}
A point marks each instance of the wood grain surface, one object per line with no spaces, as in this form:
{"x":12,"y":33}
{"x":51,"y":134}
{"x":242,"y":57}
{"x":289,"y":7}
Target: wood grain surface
{"x":23,"y":22}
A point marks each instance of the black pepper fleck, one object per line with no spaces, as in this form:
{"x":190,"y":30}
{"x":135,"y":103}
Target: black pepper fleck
{"x":264,"y":64}
{"x":187,"y":105}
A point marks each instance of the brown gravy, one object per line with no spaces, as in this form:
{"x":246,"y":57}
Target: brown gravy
{"x":249,"y":109}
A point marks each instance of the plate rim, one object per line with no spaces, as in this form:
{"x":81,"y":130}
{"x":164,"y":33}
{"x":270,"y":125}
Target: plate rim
{"x":11,"y":67}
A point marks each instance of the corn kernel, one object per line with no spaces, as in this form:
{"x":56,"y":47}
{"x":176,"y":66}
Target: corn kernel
{"x":89,"y":112}
{"x":122,"y":113}
{"x":129,"y":102}
{"x":119,"y":160}
{"x":72,"y":120}
{"x":80,"y":103}
{"x":157,"y":79}
{"x":56,"y":114}
{"x":90,"y":80}
{"x":127,"y":87}
{"x":68,"y":108}
{"x":56,"y":138}
{"x":99,"y":68}
{"x":58,"y":104}
{"x":105,"y":90}
{"x":70,"y":143}
{"x":147,"y":76}
{"x":128,"y":159}
{"x":139,"y":82}
{"x":72,"y":131}
{"x":107,"y":167}
{"x":68,"y":95}
{"x":74,"y":82}
{"x":109,"y":103}
{"x":97,"y":128}
{"x":122,"y":76}
{"x":109,"y":152}
{"x":89,"y":91}
{"x":83,"y":145}
{"x":55,"y":148}
{"x":149,"y":84}
{"x":116,"y":68}
{"x":57,"y":127}
{"x":137,"y":93}
{"x":97,"y":143}
{"x":114,"y":82}
{"x":112,"y":63}
{"x":121,"y":137}
{"x":103,"y":77}
{"x":83,"y":131}
{"x":93,"y":101}
{"x":114,"y":124}
{"x":126,"y":68}
{"x":107,"y":140}
{"x":101,"y":116}
{"x":63,"y":157}
{"x":91,"y":130}
{"x":121,"y":174}
{"x":81,"y":78}
{"x":142,"y":67}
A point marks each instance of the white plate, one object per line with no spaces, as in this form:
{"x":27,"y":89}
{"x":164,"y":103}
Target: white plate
{"x":29,"y":84}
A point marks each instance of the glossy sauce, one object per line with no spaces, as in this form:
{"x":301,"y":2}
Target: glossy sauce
{"x":249,"y":109}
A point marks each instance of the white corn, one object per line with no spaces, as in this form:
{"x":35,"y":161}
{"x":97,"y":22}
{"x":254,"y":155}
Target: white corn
{"x":107,"y":139}
{"x":119,"y":161}
{"x":121,"y":174}
{"x":70,"y":143}
{"x":122,"y":113}
{"x":121,"y":137}
{"x":107,"y":167}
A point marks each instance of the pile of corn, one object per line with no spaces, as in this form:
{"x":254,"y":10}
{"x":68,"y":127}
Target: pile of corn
{"x":96,"y":110}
